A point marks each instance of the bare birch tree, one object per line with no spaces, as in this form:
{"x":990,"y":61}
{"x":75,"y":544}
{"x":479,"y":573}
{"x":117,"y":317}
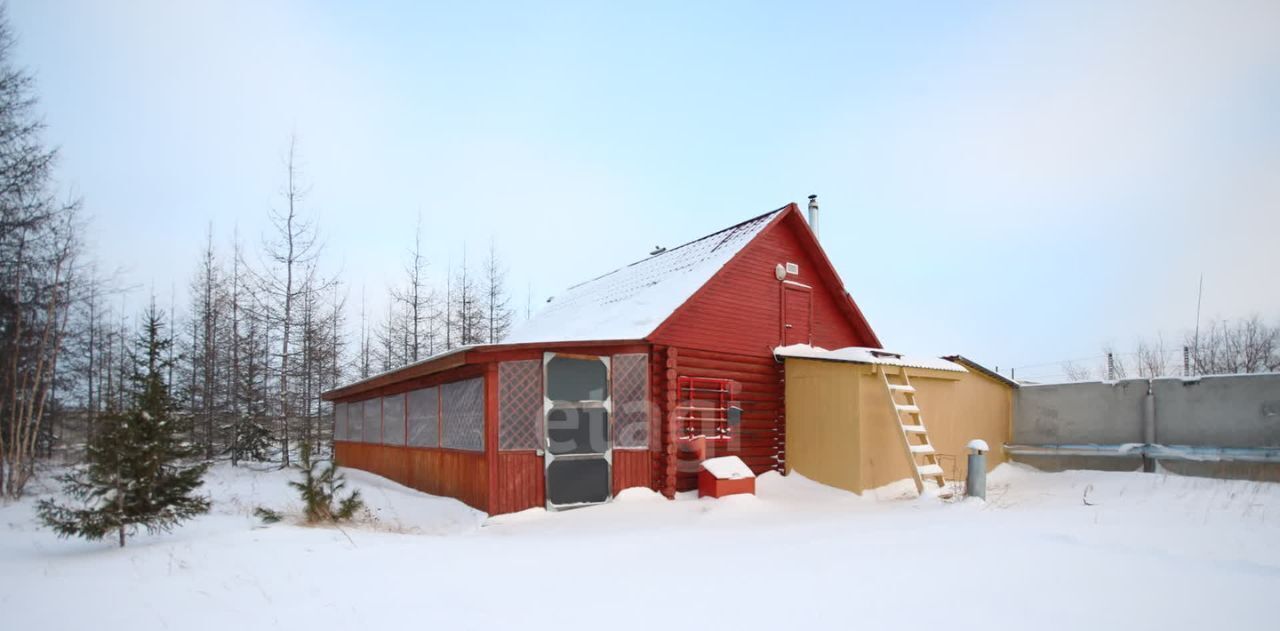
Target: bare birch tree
{"x":1248,"y":345}
{"x":1152,"y":358}
{"x":39,"y":246}
{"x":1076,"y":372}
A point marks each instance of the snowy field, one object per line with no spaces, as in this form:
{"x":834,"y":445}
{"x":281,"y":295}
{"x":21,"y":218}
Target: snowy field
{"x":1047,"y":551}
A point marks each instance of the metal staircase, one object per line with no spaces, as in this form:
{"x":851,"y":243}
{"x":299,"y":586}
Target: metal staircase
{"x":915,"y":438}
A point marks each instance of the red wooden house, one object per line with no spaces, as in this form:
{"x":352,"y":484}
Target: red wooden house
{"x":626,"y":380}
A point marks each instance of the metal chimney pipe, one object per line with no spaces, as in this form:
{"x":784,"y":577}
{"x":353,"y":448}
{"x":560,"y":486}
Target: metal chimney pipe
{"x":975,"y":482}
{"x":813,"y":213}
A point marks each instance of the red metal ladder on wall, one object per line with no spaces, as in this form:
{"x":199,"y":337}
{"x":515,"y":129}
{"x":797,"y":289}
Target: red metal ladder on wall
{"x":915,"y":437}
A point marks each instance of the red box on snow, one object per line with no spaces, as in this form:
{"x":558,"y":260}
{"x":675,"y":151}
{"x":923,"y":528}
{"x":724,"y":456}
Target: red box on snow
{"x":728,"y":475}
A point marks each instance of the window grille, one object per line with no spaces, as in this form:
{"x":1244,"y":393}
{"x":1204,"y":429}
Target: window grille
{"x":373,"y":421}
{"x":520,"y":405}
{"x":393,"y":419}
{"x":462,"y":414}
{"x":631,"y":401}
{"x":424,"y":418}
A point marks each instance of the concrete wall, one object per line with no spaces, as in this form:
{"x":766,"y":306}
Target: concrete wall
{"x":1236,"y":411}
{"x":1229,"y":411}
{"x":1079,"y":413}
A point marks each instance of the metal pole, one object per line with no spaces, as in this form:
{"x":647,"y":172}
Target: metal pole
{"x":1199,"y":296}
{"x":1149,"y":428}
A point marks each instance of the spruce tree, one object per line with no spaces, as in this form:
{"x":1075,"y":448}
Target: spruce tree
{"x":320,"y":487}
{"x":139,"y":470}
{"x":249,"y":437}
{"x":251,"y":440}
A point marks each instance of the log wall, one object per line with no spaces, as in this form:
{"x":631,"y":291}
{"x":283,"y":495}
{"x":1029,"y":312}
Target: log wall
{"x":761,"y":436}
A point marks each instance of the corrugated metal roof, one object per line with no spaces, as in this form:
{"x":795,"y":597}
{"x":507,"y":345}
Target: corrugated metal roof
{"x":630,"y":302}
{"x":860,"y":355}
{"x":973,"y":365}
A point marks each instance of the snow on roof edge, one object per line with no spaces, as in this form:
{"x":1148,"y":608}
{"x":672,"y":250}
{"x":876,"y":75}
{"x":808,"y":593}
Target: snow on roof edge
{"x":420,"y":362}
{"x":863,"y":355}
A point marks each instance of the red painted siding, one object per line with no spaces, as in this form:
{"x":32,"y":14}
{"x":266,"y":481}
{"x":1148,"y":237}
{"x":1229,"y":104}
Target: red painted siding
{"x":728,"y":329}
{"x":631,"y":467}
{"x":493,"y":473}
{"x":451,"y":473}
{"x":521,"y":483}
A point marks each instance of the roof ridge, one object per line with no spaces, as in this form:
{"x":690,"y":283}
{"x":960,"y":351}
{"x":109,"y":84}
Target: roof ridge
{"x":678,"y":247}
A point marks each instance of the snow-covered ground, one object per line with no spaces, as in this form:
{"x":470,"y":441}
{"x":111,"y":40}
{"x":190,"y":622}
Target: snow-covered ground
{"x":1072,"y":550}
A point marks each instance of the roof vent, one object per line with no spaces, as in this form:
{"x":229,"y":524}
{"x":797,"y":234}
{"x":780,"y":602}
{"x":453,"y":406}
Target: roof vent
{"x":813,"y":214}
{"x":884,"y":353}
{"x":657,"y":249}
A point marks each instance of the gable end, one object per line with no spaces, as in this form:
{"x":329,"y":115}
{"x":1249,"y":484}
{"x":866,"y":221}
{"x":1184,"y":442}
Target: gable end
{"x":740,"y":309}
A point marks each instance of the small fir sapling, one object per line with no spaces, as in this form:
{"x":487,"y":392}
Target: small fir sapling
{"x":320,"y":487}
{"x":267,"y":515}
{"x":139,"y":470}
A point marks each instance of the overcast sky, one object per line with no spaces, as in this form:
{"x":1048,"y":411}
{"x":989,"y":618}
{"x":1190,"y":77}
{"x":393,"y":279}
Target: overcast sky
{"x":1021,"y":183}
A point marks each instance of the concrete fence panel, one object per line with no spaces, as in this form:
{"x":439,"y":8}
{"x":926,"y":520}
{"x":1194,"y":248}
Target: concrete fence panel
{"x":1079,"y":413}
{"x":1235,"y":411}
{"x":1220,"y":426}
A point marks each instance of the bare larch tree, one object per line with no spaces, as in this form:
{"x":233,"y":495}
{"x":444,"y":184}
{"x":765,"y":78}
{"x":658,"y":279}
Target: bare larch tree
{"x":291,"y":251}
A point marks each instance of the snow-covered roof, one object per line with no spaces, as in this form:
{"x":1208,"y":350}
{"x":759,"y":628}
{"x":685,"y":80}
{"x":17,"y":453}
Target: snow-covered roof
{"x":860,"y":355}
{"x":630,"y":302}
{"x":375,"y":377}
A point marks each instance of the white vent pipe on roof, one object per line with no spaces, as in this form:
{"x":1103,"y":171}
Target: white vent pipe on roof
{"x":813,"y":214}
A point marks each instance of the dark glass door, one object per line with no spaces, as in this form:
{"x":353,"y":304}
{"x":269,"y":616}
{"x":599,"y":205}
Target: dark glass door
{"x":579,"y":443}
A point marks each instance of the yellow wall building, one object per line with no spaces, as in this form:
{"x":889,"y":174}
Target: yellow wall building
{"x":842,"y":429}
